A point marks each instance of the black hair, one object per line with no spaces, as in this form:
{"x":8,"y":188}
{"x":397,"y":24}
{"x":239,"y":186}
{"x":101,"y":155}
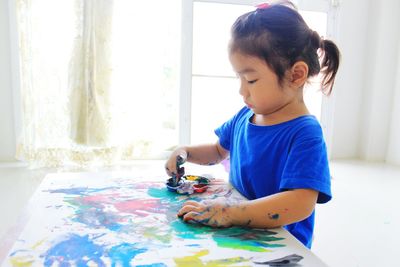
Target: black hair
{"x":279,"y":35}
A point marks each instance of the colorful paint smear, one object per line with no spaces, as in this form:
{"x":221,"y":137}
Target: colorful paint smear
{"x":127,"y":223}
{"x":195,"y":260}
{"x":123,"y":254}
{"x":74,"y":250}
{"x":257,"y":240}
{"x":18,"y":259}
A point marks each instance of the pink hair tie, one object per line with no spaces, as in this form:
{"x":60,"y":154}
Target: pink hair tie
{"x":263,"y":6}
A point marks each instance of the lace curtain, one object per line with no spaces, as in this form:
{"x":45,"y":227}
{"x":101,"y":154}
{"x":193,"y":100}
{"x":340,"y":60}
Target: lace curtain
{"x":98,"y":80}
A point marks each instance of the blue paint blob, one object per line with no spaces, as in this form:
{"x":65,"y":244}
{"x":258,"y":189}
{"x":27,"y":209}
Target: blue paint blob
{"x":123,"y":254}
{"x":97,"y":218}
{"x":74,"y":251}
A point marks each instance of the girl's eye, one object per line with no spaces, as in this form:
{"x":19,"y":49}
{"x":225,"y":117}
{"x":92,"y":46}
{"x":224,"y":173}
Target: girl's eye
{"x":251,"y":82}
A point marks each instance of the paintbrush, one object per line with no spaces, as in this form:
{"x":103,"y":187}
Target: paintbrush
{"x":180,"y":171}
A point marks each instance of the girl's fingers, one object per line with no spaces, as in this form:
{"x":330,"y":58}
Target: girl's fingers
{"x":171,"y":164}
{"x":170,"y":169}
{"x":207,"y":202}
{"x":191,"y":216}
{"x":192,"y":203}
{"x":200,"y":217}
{"x":187,"y":209}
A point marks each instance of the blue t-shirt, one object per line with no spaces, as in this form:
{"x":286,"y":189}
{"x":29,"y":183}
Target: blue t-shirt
{"x":265,"y":160}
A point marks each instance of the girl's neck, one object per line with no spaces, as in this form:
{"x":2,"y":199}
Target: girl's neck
{"x":283,"y":115}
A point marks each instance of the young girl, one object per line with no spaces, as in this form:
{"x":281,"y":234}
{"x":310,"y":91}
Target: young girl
{"x":277,"y":153}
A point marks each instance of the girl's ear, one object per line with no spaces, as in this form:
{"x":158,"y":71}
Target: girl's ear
{"x":299,"y":73}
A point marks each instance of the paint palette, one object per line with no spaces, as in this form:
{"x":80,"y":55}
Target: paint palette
{"x":188,"y":184}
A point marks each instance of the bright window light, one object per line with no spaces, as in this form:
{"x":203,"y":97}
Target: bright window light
{"x":215,"y":88}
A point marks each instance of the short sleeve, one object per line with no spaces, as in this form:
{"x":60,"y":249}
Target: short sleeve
{"x":225,"y":131}
{"x":307,"y":165}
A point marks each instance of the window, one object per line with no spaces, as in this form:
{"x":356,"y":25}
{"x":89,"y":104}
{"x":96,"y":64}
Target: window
{"x":214,"y":95}
{"x":146,"y":53}
{"x":215,"y":87}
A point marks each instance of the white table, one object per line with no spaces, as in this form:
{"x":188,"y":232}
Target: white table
{"x":129,"y":218}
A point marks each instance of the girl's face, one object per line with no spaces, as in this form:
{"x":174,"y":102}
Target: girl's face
{"x":260,"y":89}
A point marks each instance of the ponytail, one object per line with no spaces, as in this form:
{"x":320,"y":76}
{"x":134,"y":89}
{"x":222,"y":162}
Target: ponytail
{"x":329,"y":64}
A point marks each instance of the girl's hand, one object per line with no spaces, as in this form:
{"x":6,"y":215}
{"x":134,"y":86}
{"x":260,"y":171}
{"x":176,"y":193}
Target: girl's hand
{"x":215,"y":213}
{"x":171,"y":164}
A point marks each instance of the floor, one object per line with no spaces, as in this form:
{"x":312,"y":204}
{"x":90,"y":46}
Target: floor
{"x":359,"y":227}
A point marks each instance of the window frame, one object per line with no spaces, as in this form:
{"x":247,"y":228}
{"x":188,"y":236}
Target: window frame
{"x":15,"y":68}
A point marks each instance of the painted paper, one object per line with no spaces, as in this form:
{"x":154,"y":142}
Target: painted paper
{"x":130,"y":221}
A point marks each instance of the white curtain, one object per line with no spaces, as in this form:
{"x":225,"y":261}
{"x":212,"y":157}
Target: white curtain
{"x":90,"y":73}
{"x":96,"y":87}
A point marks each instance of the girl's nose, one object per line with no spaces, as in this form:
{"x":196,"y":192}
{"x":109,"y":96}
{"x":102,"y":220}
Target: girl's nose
{"x":242,"y":90}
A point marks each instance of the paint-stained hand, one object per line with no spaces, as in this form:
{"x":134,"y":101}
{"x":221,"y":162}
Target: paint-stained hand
{"x":214,"y":213}
{"x":172,"y":164}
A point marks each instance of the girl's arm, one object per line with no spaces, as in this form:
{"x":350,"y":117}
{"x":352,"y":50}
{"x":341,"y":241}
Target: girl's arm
{"x":268,"y":212}
{"x":207,"y":154}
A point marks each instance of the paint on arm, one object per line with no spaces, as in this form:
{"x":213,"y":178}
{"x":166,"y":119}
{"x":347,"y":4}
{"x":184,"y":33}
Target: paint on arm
{"x":274,"y":216}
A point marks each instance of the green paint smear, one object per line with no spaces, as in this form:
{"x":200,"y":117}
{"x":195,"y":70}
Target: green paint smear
{"x":190,"y":231}
{"x":238,"y":244}
{"x":228,"y":262}
{"x":244,"y":233}
{"x":246,"y":239}
{"x":21,"y":261}
{"x":169,"y":200}
{"x":171,"y":197}
{"x":73,"y":201}
{"x":152,"y":233}
{"x":256,"y":240}
{"x":249,"y":245}
{"x":162,"y":193}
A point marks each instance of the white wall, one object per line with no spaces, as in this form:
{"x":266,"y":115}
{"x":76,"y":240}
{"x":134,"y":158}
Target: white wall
{"x":347,"y":93}
{"x":7,"y":135}
{"x":393,"y":153}
{"x":380,"y":80}
{"x":366,"y":98}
